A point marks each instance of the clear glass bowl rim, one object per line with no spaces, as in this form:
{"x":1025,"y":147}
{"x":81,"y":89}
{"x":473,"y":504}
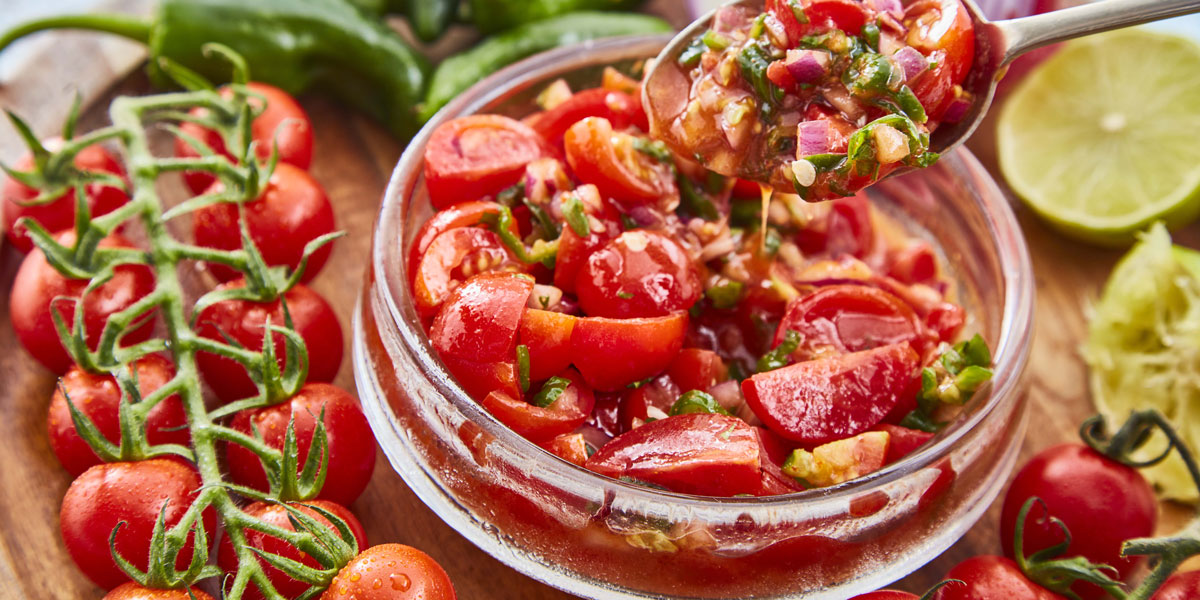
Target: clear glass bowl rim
{"x":1010,"y":353}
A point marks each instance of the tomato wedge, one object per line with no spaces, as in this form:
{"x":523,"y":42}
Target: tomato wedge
{"x":940,"y":29}
{"x":821,"y":401}
{"x":613,"y":353}
{"x":701,"y":453}
{"x":697,"y":369}
{"x":571,"y":447}
{"x":848,"y":318}
{"x":476,"y":330}
{"x":452,"y":258}
{"x":472,"y":157}
{"x":547,"y":335}
{"x":641,"y":273}
{"x":573,"y":249}
{"x":819,"y":15}
{"x":539,"y":424}
{"x":466,"y":214}
{"x":607,"y":158}
{"x":619,"y":108}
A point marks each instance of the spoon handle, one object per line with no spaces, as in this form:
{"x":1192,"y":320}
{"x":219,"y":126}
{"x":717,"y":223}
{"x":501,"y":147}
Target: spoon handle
{"x":1028,"y":33}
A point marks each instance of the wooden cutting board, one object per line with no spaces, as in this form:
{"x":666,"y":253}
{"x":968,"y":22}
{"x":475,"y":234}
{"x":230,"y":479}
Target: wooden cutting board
{"x":353,"y":160}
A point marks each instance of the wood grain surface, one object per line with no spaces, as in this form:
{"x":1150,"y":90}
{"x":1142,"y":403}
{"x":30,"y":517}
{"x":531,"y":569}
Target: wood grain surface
{"x":353,"y":161}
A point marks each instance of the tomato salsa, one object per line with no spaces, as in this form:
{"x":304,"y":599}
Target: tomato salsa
{"x":822,"y":97}
{"x":647,"y":319}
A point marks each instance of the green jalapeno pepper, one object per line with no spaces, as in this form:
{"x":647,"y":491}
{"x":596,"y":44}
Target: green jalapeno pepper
{"x":491,"y":16}
{"x":430,"y":18}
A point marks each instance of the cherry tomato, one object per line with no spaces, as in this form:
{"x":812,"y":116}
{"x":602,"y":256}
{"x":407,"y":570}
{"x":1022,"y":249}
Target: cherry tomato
{"x":38,"y":285}
{"x":475,"y":333}
{"x":845,"y":231}
{"x":245,"y":322}
{"x":59,"y":214}
{"x":132,"y":493}
{"x":941,"y":29}
{"x":282,"y":123}
{"x":992,"y":578}
{"x":292,"y":211}
{"x":639,"y":274}
{"x":454,"y":257}
{"x":608,"y":159}
{"x":821,"y":15}
{"x":571,"y":447}
{"x":547,"y":335}
{"x":1102,"y":503}
{"x":476,"y":156}
{"x":540,"y":424}
{"x":916,"y":262}
{"x":946,"y":320}
{"x":839,"y":319}
{"x":351,"y":443}
{"x":613,"y":353}
{"x":133,"y":591}
{"x":277,"y":515}
{"x":391,"y":572}
{"x":573,"y":250}
{"x":697,"y":369}
{"x":621,"y":109}
{"x":700,"y":453}
{"x":466,"y":214}
{"x":1180,"y":586}
{"x":886,"y":595}
{"x":99,"y":397}
{"x":824,"y":400}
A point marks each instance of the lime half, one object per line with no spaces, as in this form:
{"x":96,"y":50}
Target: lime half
{"x":1143,"y":350}
{"x":1103,"y":138}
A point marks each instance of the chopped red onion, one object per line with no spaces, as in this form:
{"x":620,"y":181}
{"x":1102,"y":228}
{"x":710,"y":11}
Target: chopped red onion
{"x":912,"y":61}
{"x":812,"y":137}
{"x":807,"y":66}
{"x":957,"y":109}
{"x":889,"y":7}
{"x":729,"y":19}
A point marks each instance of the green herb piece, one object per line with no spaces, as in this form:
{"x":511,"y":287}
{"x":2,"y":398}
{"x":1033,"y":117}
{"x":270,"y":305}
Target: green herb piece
{"x":911,"y":105}
{"x":654,"y":149}
{"x":690,"y":57}
{"x":695,"y":201}
{"x":725,"y":295}
{"x":550,"y":392}
{"x":745,"y":213}
{"x":798,"y":11}
{"x":512,"y":195}
{"x":778,"y":356}
{"x":715,"y":40}
{"x":736,"y":371}
{"x":576,"y":217}
{"x":871,"y":74}
{"x":826,"y":162}
{"x":753,"y":61}
{"x":976,"y":351}
{"x":637,"y":384}
{"x":549,"y":229}
{"x":758,"y":26}
{"x":502,"y":224}
{"x":870,"y":34}
{"x":628,"y":222}
{"x":523,"y":367}
{"x":624,"y":295}
{"x":696,"y":401}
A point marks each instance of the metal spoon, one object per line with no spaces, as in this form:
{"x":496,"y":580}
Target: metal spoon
{"x":996,"y":45}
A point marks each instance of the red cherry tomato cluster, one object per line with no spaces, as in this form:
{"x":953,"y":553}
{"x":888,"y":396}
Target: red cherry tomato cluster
{"x":574,"y":263}
{"x":123,"y":500}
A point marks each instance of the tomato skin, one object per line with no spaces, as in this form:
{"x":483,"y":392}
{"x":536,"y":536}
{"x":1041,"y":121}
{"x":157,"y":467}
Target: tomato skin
{"x":283,"y":123}
{"x":992,"y":578}
{"x":573,"y":250}
{"x":848,"y":318}
{"x":475,"y":333}
{"x":133,"y":591}
{"x":37,"y":284}
{"x":940,"y":26}
{"x":539,"y":424}
{"x":620,"y":108}
{"x":292,"y":211}
{"x":571,"y":447}
{"x":697,"y":369}
{"x":99,"y":397}
{"x":612,"y":353}
{"x":451,"y":258}
{"x":1102,"y":503}
{"x":132,"y":492}
{"x":466,"y":214}
{"x":1180,"y":586}
{"x":245,"y":322}
{"x":639,"y":274}
{"x":829,"y":399}
{"x":701,"y":453}
{"x":886,"y":595}
{"x":277,"y":515}
{"x":475,"y":156}
{"x":391,"y":572}
{"x":903,"y":441}
{"x":59,"y":214}
{"x":351,"y":443}
{"x":618,"y":170}
{"x":547,"y":334}
{"x":648,"y":402}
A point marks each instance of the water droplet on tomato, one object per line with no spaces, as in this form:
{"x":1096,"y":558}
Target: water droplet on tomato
{"x":400,"y":582}
{"x":355,"y":577}
{"x":378,"y":583}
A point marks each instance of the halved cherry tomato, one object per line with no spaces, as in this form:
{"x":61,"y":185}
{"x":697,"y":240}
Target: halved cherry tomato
{"x":454,"y":257}
{"x":475,"y":333}
{"x":466,"y":214}
{"x":697,"y":369}
{"x":539,"y":424}
{"x":700,"y":453}
{"x":292,"y":211}
{"x":621,"y":109}
{"x":571,"y":447}
{"x":573,"y":250}
{"x":839,"y":319}
{"x":916,"y":262}
{"x":476,"y":156}
{"x":282,"y":123}
{"x":59,"y":214}
{"x":992,"y":578}
{"x":828,"y":399}
{"x":941,"y":29}
{"x":607,"y":158}
{"x":903,"y":440}
{"x":547,"y":334}
{"x":613,"y":353}
{"x":639,"y":274}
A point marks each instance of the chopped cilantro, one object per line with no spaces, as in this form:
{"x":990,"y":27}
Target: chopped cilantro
{"x":696,"y":401}
{"x":778,"y":356}
{"x":550,"y":392}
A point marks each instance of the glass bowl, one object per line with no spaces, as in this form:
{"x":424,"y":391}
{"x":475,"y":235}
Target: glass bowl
{"x":601,"y":538}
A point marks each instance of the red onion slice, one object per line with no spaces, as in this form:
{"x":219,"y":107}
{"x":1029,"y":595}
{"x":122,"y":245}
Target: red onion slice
{"x":807,"y":66}
{"x":912,"y":61}
{"x":812,"y":137}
